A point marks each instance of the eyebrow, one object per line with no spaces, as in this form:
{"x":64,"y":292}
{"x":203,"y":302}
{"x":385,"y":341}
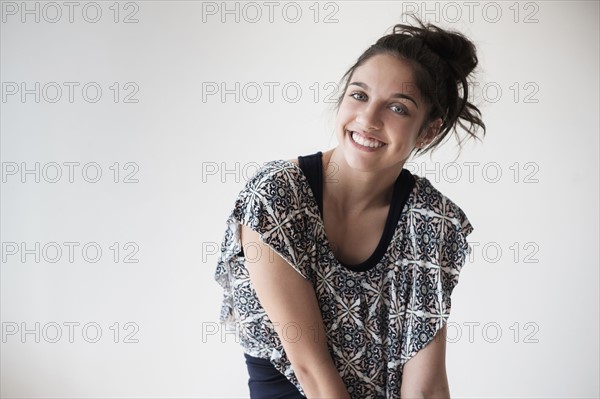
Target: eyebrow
{"x":395,"y":95}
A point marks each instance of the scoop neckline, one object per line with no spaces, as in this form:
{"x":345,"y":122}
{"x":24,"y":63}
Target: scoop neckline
{"x":387,"y":236}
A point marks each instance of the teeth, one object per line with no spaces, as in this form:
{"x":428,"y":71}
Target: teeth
{"x":366,"y":142}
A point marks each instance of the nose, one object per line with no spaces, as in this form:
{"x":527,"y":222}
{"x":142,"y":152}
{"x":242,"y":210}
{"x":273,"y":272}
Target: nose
{"x":369,"y":118}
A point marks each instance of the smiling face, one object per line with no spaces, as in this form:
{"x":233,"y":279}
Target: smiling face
{"x":381,"y":114}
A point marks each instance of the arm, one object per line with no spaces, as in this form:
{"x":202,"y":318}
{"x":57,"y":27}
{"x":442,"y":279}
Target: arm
{"x":289,"y":300}
{"x":424,"y":375}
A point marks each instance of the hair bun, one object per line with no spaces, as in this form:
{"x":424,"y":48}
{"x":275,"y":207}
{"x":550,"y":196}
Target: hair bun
{"x":452,"y":46}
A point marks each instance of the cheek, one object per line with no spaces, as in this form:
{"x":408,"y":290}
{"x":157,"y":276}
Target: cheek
{"x":405,"y":131}
{"x":345,"y":114}
{"x":399,"y":125}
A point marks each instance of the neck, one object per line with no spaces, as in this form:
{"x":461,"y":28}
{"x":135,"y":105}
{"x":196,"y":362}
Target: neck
{"x":354,"y":191}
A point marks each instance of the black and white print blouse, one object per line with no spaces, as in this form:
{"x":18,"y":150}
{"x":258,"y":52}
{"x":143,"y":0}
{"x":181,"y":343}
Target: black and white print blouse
{"x":375,"y":319}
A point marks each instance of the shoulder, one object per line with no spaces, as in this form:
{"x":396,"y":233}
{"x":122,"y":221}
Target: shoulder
{"x":429,"y":200}
{"x":278,"y":180}
{"x":282,"y":171}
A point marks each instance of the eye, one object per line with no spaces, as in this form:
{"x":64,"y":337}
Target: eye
{"x":357,"y":93}
{"x":400,"y":110}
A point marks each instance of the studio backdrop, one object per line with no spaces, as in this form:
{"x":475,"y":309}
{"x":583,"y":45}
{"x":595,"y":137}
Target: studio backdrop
{"x":129,"y":127}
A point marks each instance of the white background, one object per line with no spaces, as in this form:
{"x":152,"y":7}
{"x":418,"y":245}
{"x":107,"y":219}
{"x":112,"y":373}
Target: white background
{"x":525,"y":313}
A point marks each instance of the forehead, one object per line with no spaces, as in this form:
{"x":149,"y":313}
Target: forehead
{"x":387,"y":74}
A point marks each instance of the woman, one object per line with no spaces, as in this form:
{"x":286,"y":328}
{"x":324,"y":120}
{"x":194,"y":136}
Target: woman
{"x":340,"y":284}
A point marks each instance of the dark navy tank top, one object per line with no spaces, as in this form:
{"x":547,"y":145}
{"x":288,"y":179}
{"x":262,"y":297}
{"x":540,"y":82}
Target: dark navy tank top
{"x":312,"y":166}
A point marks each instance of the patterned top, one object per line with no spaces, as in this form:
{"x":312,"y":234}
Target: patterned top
{"x":375,"y":320}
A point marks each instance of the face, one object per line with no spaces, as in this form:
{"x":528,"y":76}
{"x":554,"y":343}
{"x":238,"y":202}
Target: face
{"x":381,"y":114}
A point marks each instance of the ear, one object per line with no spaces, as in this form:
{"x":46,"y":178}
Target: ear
{"x":429,"y":133}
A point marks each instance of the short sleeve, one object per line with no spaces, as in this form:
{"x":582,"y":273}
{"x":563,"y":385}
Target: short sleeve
{"x":275,"y":203}
{"x":441,"y":237}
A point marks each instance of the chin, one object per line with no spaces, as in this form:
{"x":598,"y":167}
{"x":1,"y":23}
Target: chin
{"x":358,"y":161}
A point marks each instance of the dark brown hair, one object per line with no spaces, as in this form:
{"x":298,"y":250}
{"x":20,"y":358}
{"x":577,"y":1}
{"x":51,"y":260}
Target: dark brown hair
{"x":442,"y":61}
